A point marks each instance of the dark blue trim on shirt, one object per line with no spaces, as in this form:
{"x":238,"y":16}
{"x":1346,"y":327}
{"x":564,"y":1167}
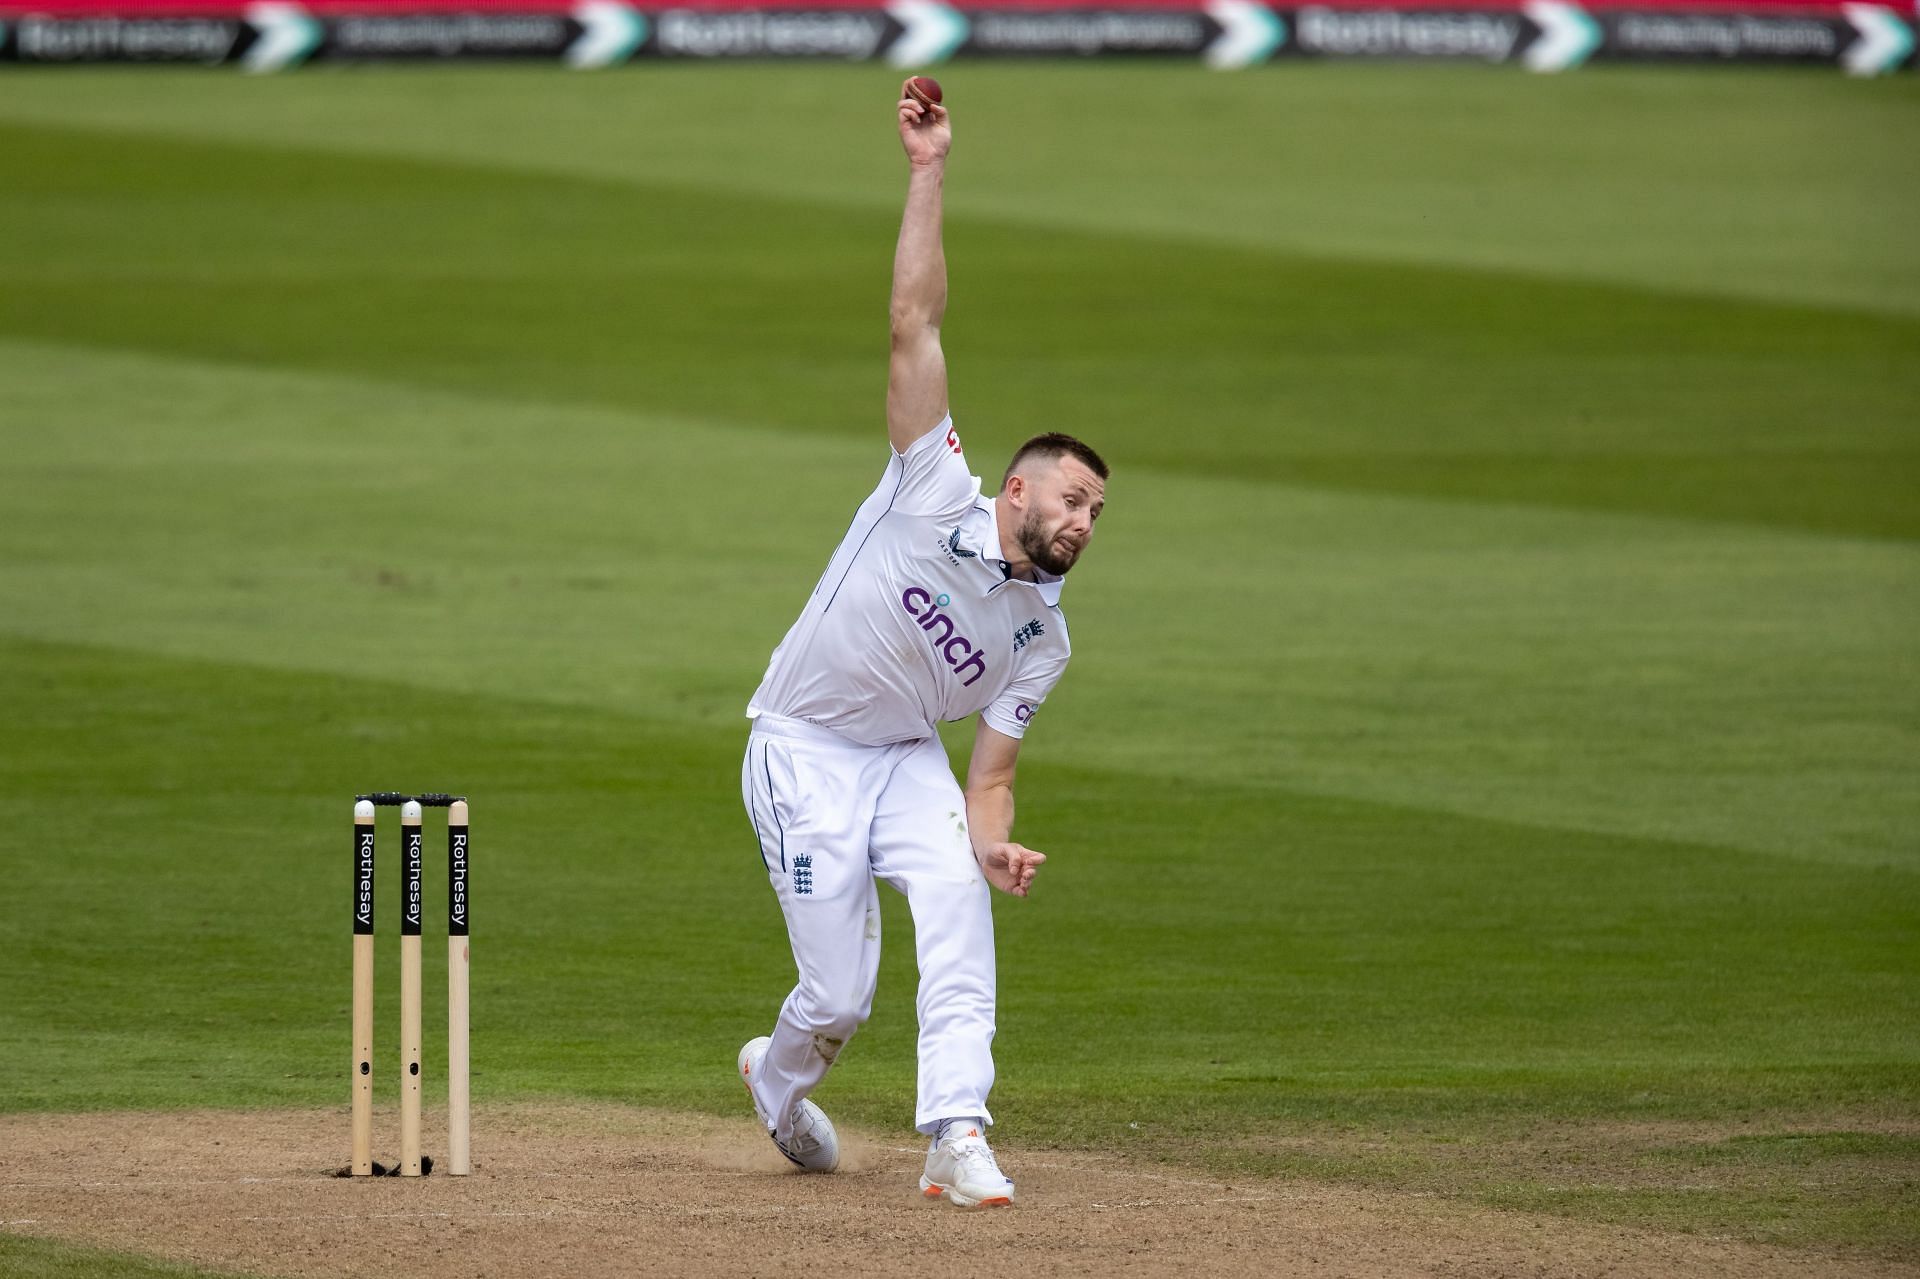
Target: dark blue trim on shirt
{"x":891,"y":499}
{"x":836,"y":546}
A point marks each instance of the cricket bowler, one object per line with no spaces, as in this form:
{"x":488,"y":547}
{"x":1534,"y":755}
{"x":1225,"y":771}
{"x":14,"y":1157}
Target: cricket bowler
{"x":939,"y":603}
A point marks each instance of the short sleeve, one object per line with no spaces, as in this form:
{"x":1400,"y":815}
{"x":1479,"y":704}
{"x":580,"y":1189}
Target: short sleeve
{"x":934,"y":480}
{"x":1014,"y":709}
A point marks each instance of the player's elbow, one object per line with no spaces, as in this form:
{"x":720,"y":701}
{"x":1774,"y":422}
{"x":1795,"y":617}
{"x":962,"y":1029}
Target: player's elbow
{"x":990,"y":786}
{"x":914,"y":323}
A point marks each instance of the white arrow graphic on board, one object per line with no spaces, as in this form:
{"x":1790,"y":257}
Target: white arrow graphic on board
{"x":1567,"y":36}
{"x":933,"y":32}
{"x":283,"y":36}
{"x":1249,"y":33}
{"x":1884,"y":41}
{"x":610,"y":33}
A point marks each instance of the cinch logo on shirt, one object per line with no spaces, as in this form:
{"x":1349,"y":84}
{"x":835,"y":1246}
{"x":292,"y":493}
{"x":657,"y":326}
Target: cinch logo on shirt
{"x":925,"y":608}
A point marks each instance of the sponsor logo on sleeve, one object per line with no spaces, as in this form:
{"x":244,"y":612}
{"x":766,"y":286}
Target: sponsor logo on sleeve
{"x":1024,"y":713}
{"x":956,"y":651}
{"x":953,"y":439}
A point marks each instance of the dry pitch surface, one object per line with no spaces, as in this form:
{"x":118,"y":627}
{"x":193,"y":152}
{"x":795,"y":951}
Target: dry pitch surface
{"x":601,"y":1190}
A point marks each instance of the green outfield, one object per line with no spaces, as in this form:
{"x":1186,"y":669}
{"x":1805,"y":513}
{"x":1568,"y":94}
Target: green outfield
{"x":1489,"y":763}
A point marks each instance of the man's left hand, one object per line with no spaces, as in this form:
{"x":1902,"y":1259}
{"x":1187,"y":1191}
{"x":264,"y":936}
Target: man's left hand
{"x":1010,"y":867}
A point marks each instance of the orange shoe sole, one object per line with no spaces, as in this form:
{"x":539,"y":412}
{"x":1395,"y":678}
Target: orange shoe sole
{"x":998,"y":1201}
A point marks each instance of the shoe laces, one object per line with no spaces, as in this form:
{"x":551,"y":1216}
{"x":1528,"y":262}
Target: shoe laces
{"x":803,"y":1141}
{"x":976,"y":1160}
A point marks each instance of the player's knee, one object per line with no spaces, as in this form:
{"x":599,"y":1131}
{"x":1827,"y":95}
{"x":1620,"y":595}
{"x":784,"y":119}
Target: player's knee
{"x":956,"y":1003}
{"x":836,"y":1014}
{"x":841,"y":1017}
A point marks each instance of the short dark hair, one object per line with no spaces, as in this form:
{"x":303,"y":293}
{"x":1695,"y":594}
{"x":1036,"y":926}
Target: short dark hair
{"x":1055,"y":444}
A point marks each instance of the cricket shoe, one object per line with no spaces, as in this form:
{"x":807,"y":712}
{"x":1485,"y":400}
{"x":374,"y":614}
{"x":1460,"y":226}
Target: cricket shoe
{"x":963,"y":1169}
{"x":814,"y":1145}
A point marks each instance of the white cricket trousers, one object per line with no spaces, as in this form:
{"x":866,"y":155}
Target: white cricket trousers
{"x":834,"y":818}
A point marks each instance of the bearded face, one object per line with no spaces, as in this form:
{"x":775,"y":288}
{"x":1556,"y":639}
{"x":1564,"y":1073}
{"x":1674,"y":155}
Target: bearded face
{"x":1047,"y":547}
{"x":1060,"y":501}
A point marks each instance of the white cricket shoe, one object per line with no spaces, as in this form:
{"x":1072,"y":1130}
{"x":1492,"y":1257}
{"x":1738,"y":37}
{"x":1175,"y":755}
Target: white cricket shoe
{"x":964,"y":1170}
{"x":814,"y":1146}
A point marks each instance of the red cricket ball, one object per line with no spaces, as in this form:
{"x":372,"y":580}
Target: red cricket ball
{"x":924,"y":89}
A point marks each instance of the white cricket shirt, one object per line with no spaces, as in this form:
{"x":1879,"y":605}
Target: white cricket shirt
{"x":915,"y":620}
